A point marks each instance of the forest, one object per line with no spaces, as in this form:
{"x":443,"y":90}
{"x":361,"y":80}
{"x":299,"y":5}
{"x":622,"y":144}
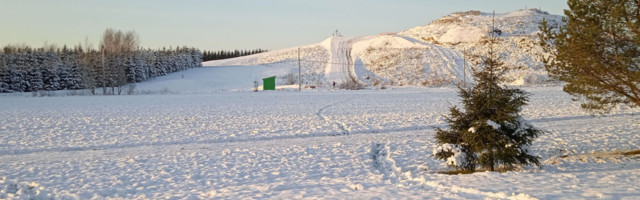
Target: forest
{"x":117,"y":63}
{"x":218,"y":55}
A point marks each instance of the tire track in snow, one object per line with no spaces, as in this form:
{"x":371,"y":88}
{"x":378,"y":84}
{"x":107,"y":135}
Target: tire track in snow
{"x":578,"y":117}
{"x":341,"y":125}
{"x":319,"y":113}
{"x":213,"y":141}
{"x":344,"y":129}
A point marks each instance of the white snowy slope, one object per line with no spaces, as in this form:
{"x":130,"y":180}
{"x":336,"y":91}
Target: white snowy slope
{"x":517,"y":31}
{"x":428,"y":55}
{"x":282,"y":145}
{"x":285,"y":61}
{"x":213,"y":79}
{"x":400,"y":60}
{"x":340,"y":68}
{"x":371,"y":60}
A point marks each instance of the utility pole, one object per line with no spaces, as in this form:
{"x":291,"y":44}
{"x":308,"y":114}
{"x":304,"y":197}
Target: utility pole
{"x":299,"y":73}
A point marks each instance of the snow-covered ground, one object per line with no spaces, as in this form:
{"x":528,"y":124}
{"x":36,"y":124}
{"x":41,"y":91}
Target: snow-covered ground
{"x":213,"y":79}
{"x":202,"y":133}
{"x":283,"y":144}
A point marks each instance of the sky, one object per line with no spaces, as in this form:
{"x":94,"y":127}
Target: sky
{"x":229,"y":24}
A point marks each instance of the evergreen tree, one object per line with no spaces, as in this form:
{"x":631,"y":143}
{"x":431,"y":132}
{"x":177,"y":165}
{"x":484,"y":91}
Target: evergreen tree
{"x":489,"y":130}
{"x":34,"y":76}
{"x":50,"y":70}
{"x":596,"y":52}
{"x":4,"y":73}
{"x":18,"y":81}
{"x":23,"y":69}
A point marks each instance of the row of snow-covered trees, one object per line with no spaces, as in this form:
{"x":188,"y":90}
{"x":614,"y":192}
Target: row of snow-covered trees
{"x":217,"y":55}
{"x":115,"y":64}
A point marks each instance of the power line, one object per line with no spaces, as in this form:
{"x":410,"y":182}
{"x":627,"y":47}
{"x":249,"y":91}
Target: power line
{"x":335,"y":63}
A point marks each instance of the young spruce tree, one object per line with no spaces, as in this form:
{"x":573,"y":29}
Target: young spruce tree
{"x":489,"y":130}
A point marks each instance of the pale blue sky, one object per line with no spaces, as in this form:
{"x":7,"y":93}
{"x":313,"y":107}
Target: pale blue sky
{"x":229,"y":24}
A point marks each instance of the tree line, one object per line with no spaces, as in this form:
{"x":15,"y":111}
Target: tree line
{"x":218,"y":55}
{"x":118,"y":62}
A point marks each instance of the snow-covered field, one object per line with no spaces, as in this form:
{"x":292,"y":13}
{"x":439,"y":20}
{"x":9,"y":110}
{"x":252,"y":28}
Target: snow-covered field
{"x":319,"y":144}
{"x":202,"y":133}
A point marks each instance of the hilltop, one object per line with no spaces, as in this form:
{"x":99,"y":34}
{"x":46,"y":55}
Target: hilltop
{"x":517,"y":30}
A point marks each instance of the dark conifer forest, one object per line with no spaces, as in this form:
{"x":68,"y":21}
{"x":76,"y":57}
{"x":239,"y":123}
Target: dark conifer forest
{"x":26,"y":69}
{"x":218,"y":55}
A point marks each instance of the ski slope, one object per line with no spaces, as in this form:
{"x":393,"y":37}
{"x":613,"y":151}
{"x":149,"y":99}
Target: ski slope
{"x":341,"y":67}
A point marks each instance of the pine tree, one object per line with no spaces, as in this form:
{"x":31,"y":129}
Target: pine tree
{"x":489,"y":130}
{"x":50,"y":69}
{"x":4,"y":73}
{"x":596,"y":52}
{"x":34,"y":76}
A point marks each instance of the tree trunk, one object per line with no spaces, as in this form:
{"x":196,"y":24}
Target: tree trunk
{"x":491,"y":160}
{"x":104,"y":75}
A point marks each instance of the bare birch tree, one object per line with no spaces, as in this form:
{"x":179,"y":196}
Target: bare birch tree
{"x":116,"y":46}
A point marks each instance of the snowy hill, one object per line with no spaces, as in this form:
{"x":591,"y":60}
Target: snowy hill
{"x":470,"y":26}
{"x":428,"y":55}
{"x":517,"y":30}
{"x":399,"y":60}
{"x":371,"y":60}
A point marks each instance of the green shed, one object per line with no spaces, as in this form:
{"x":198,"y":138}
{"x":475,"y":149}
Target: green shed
{"x":269,"y":83}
